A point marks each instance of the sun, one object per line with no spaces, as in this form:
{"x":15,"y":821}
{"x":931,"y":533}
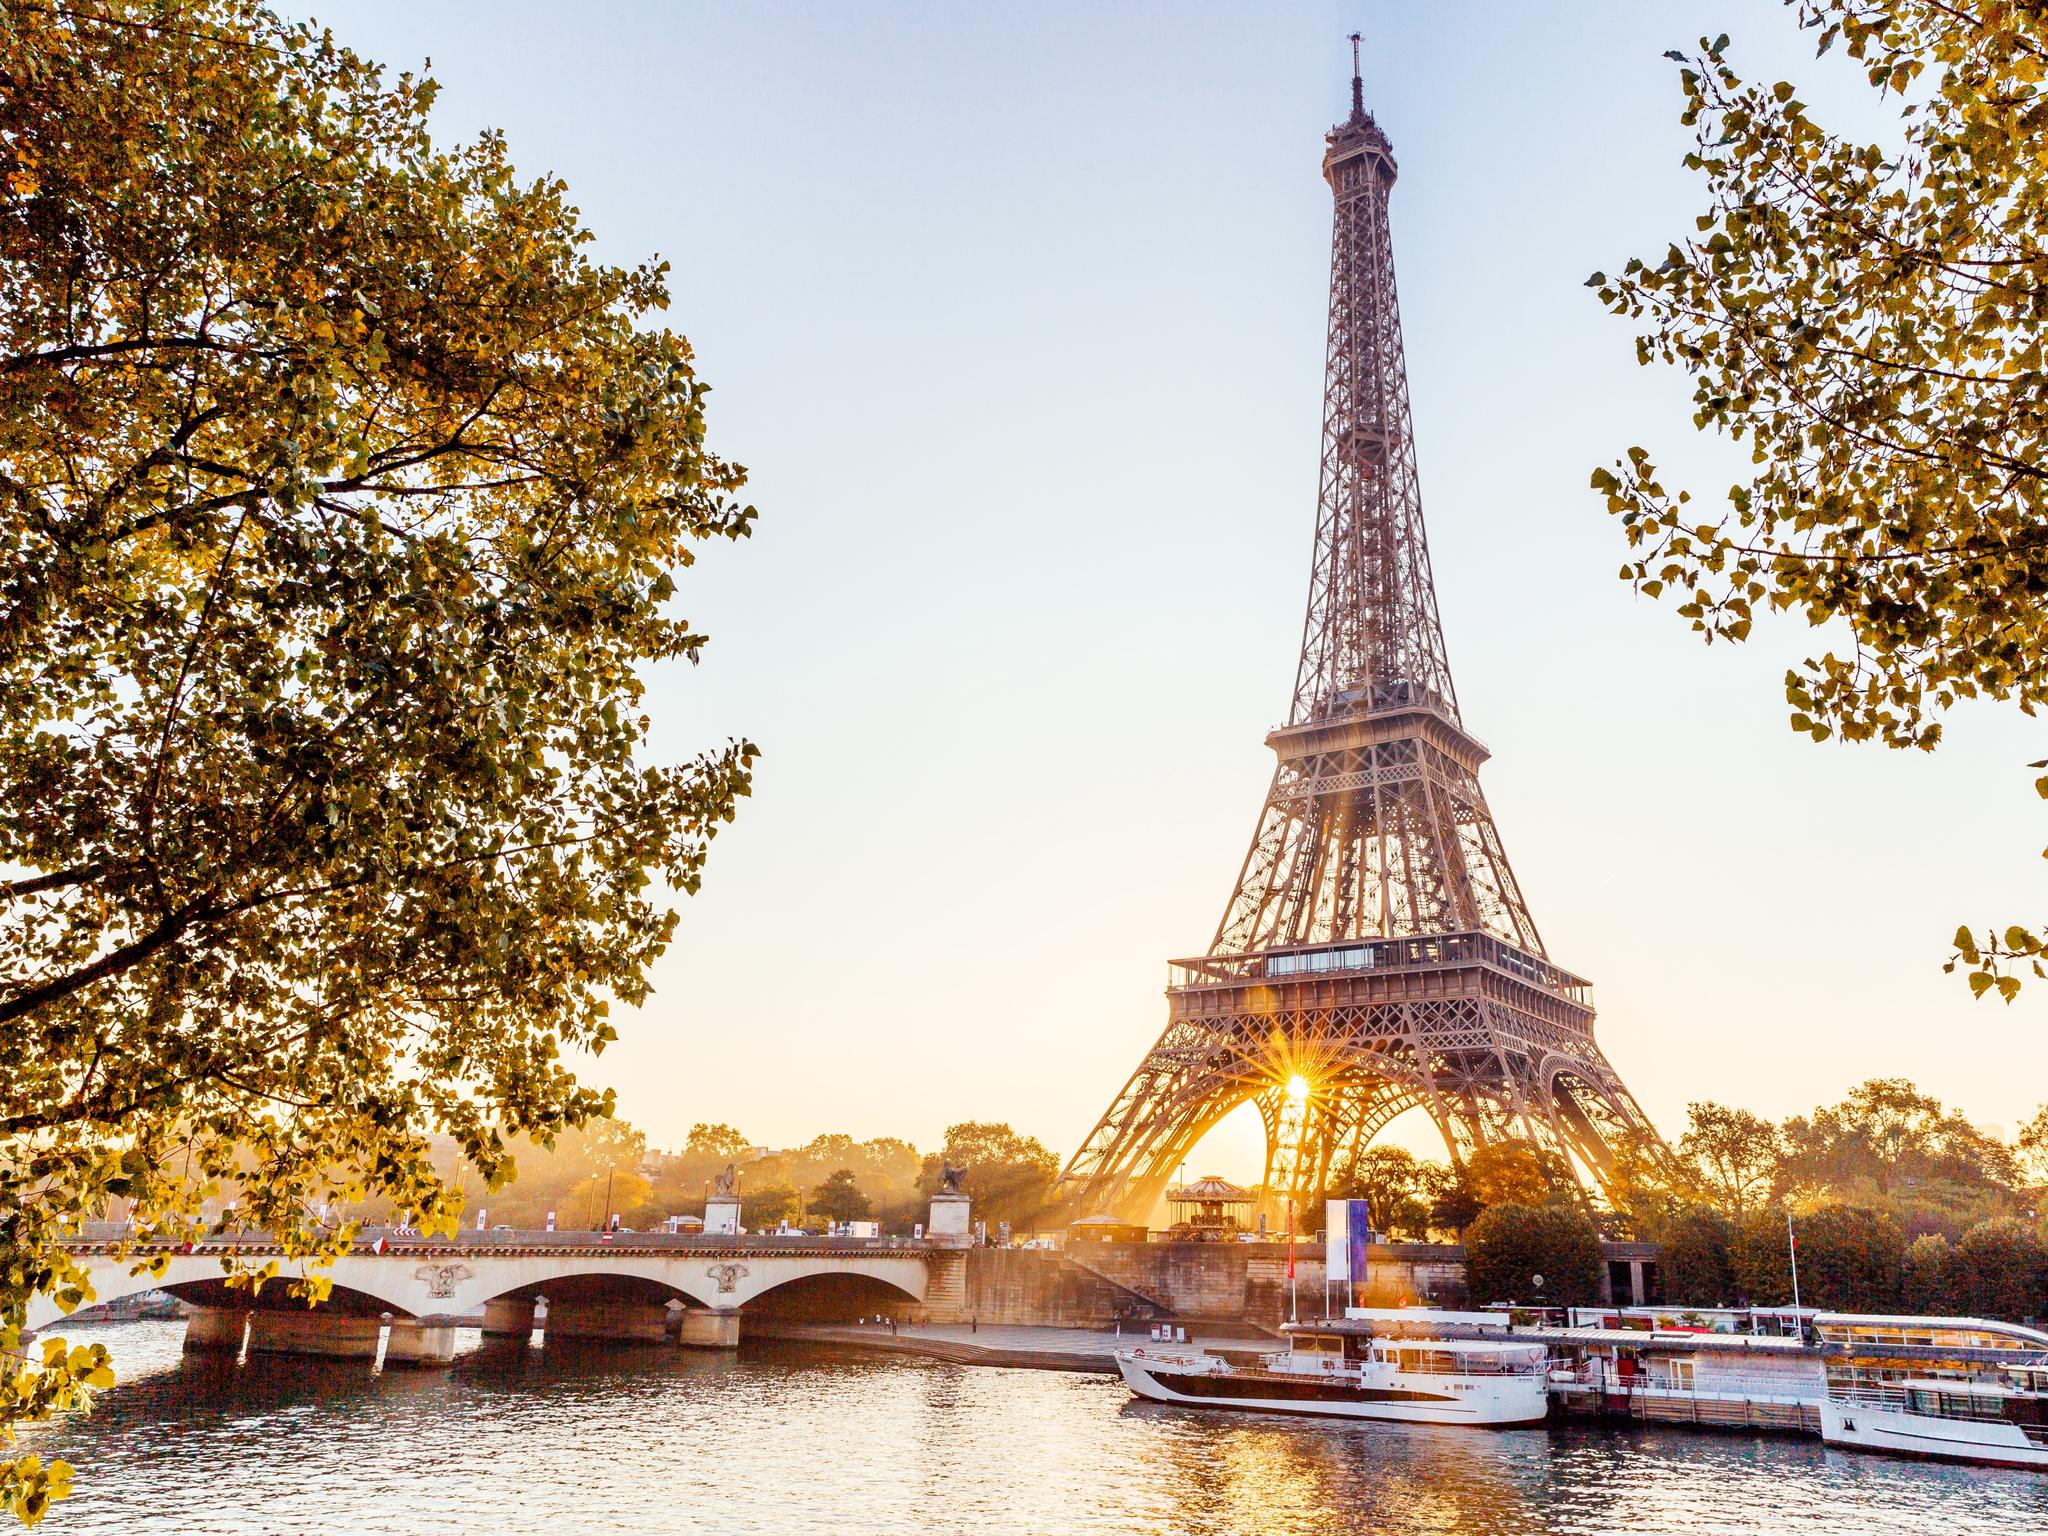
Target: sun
{"x":1297,"y":1088}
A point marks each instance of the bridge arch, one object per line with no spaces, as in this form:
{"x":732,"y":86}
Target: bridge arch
{"x":834,"y":1296}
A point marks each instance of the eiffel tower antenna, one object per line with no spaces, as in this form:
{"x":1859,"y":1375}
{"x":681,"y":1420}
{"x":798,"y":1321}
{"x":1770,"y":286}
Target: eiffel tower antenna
{"x":1377,"y":946}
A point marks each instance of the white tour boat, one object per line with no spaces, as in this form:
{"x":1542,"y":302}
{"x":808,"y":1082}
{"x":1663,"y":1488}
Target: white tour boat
{"x":1999,"y":1420}
{"x":1343,"y":1371}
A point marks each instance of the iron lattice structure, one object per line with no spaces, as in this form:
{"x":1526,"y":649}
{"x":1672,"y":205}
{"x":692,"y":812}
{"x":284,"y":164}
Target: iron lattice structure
{"x":1377,"y":948}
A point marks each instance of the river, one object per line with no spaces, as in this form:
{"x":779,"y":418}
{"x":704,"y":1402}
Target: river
{"x":773,"y":1440}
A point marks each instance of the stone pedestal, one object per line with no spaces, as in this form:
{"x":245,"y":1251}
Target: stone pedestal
{"x":215,"y":1331}
{"x":626,"y":1322}
{"x":705,"y":1329}
{"x":945,"y":1288}
{"x":948,"y":1227}
{"x":509,"y":1317}
{"x":412,"y":1342}
{"x":334,"y":1335}
{"x":722,"y":1216}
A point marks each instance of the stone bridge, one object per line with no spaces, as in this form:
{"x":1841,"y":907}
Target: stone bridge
{"x":408,"y":1295}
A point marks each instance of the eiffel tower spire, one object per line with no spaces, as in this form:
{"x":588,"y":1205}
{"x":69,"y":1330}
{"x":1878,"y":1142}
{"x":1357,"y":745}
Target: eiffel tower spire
{"x":1377,"y":943}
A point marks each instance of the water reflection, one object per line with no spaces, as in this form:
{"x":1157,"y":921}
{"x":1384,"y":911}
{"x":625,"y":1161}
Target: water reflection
{"x":597,"y":1439}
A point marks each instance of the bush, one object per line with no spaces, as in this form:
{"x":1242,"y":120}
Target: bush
{"x":1694,"y":1256}
{"x":1761,"y":1260}
{"x":1924,"y":1277}
{"x":1850,"y":1257}
{"x":1509,"y":1244}
{"x":1996,"y":1270}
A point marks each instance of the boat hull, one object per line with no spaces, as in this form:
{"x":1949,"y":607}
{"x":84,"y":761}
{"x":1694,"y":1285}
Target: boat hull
{"x":1505,"y":1402}
{"x":1987,"y":1442}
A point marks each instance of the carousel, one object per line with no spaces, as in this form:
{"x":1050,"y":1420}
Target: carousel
{"x":1210,"y":1210}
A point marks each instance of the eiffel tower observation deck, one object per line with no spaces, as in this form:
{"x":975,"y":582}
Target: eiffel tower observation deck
{"x":1377,"y":954}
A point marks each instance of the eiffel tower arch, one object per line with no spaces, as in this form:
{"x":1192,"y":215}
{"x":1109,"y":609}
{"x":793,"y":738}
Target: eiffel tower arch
{"x":1377,"y":954}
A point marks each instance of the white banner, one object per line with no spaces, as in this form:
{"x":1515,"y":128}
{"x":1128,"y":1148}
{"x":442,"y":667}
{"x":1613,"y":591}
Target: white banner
{"x":1337,"y":1240}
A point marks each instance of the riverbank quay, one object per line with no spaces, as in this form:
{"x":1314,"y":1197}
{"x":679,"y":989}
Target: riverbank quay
{"x":1021,"y":1347}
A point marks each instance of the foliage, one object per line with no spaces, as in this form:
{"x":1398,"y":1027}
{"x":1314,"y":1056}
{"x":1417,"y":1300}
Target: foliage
{"x":1888,"y":1143}
{"x":1866,"y":320}
{"x":560,"y":1178}
{"x":1850,"y":1258}
{"x":1009,"y":1177}
{"x":2000,"y":1269}
{"x":2032,"y":1144}
{"x":1924,"y":1287}
{"x":1390,"y":1181}
{"x":1510,"y":1244}
{"x":341,"y":497}
{"x":1694,"y":1258}
{"x":1760,"y":1257}
{"x":839,"y":1198}
{"x":1733,"y":1154}
{"x":1447,"y":1191}
{"x":1513,"y":1172}
{"x":768,"y":1205}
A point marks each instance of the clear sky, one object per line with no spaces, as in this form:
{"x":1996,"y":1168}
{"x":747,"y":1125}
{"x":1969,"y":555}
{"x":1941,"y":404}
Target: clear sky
{"x":1016,"y":313}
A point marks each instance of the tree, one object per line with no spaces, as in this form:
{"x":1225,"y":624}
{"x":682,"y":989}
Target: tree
{"x":1009,"y":1177}
{"x":1511,"y":1244}
{"x":1447,"y":1193}
{"x":1924,"y":1288}
{"x":839,"y":1198}
{"x":1694,"y":1257}
{"x":341,"y":497}
{"x":1888,"y":1143}
{"x":1760,"y":1257}
{"x":1864,"y":319}
{"x":1732,"y":1153}
{"x":2032,"y":1146}
{"x":770,"y":1204}
{"x":1389,"y":1180}
{"x":721,"y":1143}
{"x":1997,"y":1270}
{"x":1850,"y":1258}
{"x":1511,"y":1173}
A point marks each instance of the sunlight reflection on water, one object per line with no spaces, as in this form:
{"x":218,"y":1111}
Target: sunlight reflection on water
{"x":589,"y":1440}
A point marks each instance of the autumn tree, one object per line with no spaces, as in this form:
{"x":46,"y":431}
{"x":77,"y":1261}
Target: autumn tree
{"x":1008,"y":1177}
{"x":1924,"y":1287}
{"x":342,"y":498}
{"x":1999,"y":1269}
{"x":1509,"y":1245}
{"x":1390,"y":1181}
{"x":1694,"y":1257}
{"x":1866,"y":321}
{"x":839,"y":1197}
{"x":1732,"y":1153}
{"x":1850,"y":1258}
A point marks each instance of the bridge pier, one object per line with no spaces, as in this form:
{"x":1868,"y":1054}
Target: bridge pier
{"x":703,"y":1328}
{"x":416,"y":1342}
{"x":333,"y":1335}
{"x":628,"y":1322}
{"x":215,"y":1331}
{"x":509,"y":1317}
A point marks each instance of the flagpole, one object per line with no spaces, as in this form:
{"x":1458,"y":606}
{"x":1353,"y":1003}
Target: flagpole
{"x":1792,"y":1247}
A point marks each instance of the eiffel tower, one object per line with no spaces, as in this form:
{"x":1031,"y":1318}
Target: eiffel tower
{"x":1377,"y":953}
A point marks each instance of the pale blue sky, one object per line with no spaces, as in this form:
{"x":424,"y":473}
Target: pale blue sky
{"x":1016,"y":314}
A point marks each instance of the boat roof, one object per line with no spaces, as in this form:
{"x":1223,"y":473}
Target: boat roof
{"x":1634,"y":1338}
{"x":1908,"y":1320}
{"x":1488,"y":1343}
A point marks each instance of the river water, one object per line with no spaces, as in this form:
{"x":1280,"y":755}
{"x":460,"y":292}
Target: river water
{"x":783,"y":1438}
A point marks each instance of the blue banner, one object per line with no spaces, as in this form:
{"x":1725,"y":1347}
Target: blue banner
{"x":1358,"y":1231}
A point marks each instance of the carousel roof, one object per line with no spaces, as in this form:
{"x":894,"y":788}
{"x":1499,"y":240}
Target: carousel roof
{"x":1210,"y":1190}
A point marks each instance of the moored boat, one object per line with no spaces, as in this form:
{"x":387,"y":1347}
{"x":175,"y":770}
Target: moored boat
{"x":1341,"y":1371}
{"x":1998,"y":1420}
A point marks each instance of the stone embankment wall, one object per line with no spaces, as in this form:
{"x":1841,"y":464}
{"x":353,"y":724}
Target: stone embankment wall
{"x":1090,"y":1284}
